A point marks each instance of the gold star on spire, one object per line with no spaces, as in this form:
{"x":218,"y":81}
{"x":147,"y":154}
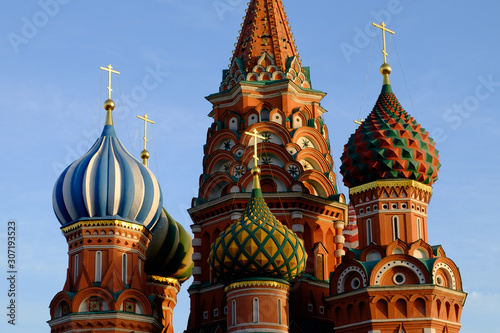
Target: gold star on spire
{"x":145,"y":153}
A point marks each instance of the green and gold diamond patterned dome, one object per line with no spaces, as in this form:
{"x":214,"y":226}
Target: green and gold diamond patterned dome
{"x":389,"y":144}
{"x":257,"y":245}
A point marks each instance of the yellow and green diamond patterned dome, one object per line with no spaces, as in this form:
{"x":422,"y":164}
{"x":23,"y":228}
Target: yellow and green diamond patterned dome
{"x":257,"y":245}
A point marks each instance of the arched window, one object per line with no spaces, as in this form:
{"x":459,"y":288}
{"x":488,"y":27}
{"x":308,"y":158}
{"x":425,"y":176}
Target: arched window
{"x":264,"y":115}
{"x":252,"y":119}
{"x":234,"y":314}
{"x":98,"y":266}
{"x":255,"y":310}
{"x":233,"y":123}
{"x":369,"y":235}
{"x":395,"y":228}
{"x":124,"y":268}
{"x":419,"y":228}
{"x":76,"y":267}
{"x":279,"y":311}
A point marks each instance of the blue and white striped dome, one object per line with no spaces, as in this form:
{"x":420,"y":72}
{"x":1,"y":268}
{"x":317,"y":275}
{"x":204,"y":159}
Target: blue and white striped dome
{"x":107,"y":183}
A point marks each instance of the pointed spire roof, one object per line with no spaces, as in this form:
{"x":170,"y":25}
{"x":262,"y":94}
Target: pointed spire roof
{"x":265,"y":50}
{"x":265,"y":29}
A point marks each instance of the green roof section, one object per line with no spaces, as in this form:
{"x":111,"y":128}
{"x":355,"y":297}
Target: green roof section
{"x":257,"y":245}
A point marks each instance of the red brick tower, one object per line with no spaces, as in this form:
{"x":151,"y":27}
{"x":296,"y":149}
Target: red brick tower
{"x":396,"y":281}
{"x":267,"y":89}
{"x":127,"y":256}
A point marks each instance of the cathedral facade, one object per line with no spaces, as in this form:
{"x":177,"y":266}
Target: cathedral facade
{"x":275,"y":246}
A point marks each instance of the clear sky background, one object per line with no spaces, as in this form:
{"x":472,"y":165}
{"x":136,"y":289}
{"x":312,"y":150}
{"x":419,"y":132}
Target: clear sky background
{"x":445,"y":59}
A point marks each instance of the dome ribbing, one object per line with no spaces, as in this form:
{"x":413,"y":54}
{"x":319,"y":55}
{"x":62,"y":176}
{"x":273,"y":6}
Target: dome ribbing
{"x":107,"y":183}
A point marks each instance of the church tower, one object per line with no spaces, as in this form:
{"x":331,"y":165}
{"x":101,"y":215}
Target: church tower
{"x":127,"y":256}
{"x":255,"y":258}
{"x":268,"y":90}
{"x":396,"y":281}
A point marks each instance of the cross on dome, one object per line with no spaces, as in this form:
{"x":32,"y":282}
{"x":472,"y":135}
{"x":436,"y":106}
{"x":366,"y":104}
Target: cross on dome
{"x":145,"y":153}
{"x":109,"y":105}
{"x":110,"y":70}
{"x":384,"y":30}
{"x":256,"y":136}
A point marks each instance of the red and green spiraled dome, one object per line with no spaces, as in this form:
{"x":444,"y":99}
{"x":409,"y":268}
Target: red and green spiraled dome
{"x":389,"y":144}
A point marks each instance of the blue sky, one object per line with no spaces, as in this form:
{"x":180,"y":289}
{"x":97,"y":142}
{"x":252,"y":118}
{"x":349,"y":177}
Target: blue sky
{"x":171,"y":54}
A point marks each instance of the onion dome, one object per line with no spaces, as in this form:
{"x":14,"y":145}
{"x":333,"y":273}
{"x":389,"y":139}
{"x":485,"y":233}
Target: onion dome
{"x":389,"y":144}
{"x":169,"y":253}
{"x":257,"y":245}
{"x":107,"y":183}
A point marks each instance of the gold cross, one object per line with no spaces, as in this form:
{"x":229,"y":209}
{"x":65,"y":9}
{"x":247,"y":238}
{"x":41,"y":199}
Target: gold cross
{"x":110,"y":70}
{"x":146,"y":121}
{"x":384,"y":30}
{"x":256,"y":136}
{"x":359,"y":122}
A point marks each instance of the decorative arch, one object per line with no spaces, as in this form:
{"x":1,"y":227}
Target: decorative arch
{"x":282,"y":179}
{"x":319,"y":140}
{"x":389,"y":263}
{"x":400,"y":307}
{"x":60,"y":297}
{"x":137,"y":296}
{"x":324,"y":132}
{"x":396,"y":244}
{"x":247,"y":140}
{"x":215,"y":140}
{"x":92,"y":292}
{"x":232,"y":123}
{"x":370,"y":248}
{"x":445,"y":268}
{"x":292,"y":148}
{"x":214,"y":185}
{"x":298,"y":120}
{"x":345,"y":272}
{"x":322,"y":186}
{"x":277,"y":116}
{"x":251,"y":118}
{"x":382,"y":309}
{"x":419,"y":307}
{"x":216,"y":160}
{"x":316,"y":157}
{"x":425,"y":248}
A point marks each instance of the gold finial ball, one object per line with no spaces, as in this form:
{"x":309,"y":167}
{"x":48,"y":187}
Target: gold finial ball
{"x":109,"y":105}
{"x":144,"y":154}
{"x":255,"y":170}
{"x":385,"y":69}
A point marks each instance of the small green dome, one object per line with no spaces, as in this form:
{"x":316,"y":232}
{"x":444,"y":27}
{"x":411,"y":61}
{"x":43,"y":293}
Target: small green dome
{"x":170,"y":251}
{"x":257,"y":245}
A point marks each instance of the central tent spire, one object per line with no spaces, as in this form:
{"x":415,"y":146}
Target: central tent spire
{"x":265,"y":50}
{"x":265,"y":29}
